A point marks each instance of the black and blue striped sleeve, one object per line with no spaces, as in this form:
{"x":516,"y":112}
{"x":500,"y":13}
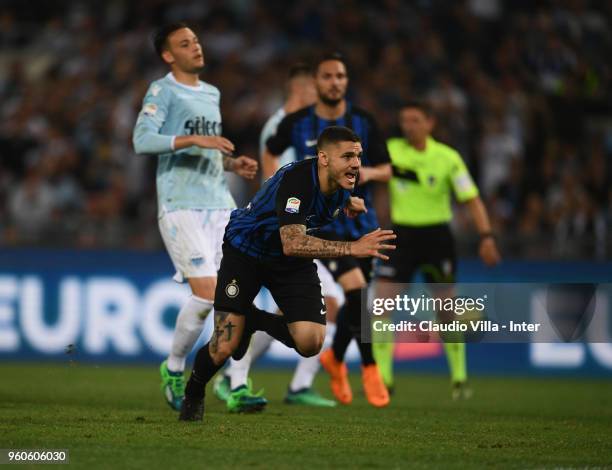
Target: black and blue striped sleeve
{"x":294,"y":197}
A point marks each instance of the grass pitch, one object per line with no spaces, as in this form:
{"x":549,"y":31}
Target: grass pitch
{"x":114,"y":417}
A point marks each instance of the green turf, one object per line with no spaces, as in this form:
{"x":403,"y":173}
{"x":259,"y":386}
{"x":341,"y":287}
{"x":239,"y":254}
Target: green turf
{"x":113,"y":417}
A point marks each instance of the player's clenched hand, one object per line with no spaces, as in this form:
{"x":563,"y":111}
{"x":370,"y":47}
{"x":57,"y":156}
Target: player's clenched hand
{"x":371,"y":244}
{"x":354,"y":207}
{"x":488,"y":251}
{"x":245,"y":167}
{"x":214,"y":142}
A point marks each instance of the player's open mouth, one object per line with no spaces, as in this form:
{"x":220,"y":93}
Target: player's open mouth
{"x":351,"y":176}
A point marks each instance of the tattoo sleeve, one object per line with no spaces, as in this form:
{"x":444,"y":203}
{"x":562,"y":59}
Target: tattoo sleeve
{"x":297,"y":243}
{"x":228,"y":163}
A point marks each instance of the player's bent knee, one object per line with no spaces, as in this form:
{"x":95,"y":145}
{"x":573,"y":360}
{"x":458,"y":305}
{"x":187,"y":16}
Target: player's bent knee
{"x":309,"y":339}
{"x":309,"y":349}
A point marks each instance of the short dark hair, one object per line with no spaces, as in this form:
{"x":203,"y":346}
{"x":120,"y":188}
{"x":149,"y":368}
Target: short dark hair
{"x":421,"y":105}
{"x":335,"y":134}
{"x":328,"y":56}
{"x":298,"y":69}
{"x":160,"y":36}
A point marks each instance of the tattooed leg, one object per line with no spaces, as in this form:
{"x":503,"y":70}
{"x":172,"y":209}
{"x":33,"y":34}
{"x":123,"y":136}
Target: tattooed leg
{"x":226,"y":335}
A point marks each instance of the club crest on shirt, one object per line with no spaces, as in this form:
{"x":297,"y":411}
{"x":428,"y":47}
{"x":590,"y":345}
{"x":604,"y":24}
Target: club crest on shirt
{"x":155,"y":89}
{"x":293,"y":205}
{"x":336,"y":213}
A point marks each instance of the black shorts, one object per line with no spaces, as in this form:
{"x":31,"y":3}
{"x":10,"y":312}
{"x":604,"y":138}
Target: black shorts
{"x":295,"y":286}
{"x":338,"y":266}
{"x":430,"y":249}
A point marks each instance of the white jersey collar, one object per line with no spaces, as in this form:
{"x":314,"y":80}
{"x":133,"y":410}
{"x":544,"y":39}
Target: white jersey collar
{"x":171,"y":77}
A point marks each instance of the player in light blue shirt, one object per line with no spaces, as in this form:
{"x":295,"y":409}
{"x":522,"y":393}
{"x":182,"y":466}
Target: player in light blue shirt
{"x":180,"y":123}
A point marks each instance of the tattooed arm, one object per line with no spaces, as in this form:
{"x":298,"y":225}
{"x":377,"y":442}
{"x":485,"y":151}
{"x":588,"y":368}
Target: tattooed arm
{"x":297,"y":243}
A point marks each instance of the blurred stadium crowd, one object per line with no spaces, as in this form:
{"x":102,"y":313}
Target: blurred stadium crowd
{"x":522,"y":88}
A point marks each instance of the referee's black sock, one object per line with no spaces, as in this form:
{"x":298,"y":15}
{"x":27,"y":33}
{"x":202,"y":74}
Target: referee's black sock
{"x":203,"y":370}
{"x":274,"y":325}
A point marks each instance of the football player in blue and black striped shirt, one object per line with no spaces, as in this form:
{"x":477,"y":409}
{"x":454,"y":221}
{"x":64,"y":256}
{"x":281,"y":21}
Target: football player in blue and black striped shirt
{"x":300,"y":130}
{"x":270,"y":243}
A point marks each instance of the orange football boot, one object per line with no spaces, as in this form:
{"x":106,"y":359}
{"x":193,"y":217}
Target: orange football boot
{"x":373,"y":386}
{"x":338,"y":374}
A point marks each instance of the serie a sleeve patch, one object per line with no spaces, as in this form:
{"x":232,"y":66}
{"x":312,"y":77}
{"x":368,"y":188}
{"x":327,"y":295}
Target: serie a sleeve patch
{"x":293,"y":205}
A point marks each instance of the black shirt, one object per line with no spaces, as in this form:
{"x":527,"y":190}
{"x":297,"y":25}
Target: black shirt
{"x":291,"y":196}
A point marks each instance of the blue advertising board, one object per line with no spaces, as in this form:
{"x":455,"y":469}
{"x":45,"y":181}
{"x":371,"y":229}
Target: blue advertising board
{"x":114,"y":306}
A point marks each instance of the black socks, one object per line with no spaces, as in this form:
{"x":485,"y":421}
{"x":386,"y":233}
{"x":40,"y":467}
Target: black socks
{"x":274,"y":325}
{"x":203,"y":370}
{"x":343,"y":335}
{"x":348,"y":326}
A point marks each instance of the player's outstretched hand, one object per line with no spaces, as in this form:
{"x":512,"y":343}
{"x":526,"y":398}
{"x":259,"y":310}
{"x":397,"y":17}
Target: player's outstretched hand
{"x":355,"y":206}
{"x":371,"y":244}
{"x":488,"y":252}
{"x":245,"y":167}
{"x":214,"y":142}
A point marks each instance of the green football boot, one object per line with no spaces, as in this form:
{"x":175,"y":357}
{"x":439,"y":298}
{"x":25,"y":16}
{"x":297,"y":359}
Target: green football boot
{"x":308,"y":397}
{"x":243,"y":400}
{"x":172,"y":386}
{"x":221,"y":387}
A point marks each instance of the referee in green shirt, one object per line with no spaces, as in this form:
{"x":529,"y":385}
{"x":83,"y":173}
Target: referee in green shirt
{"x":425,"y":173}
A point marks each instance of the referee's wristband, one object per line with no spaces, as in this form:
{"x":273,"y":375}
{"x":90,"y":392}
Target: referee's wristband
{"x":485,"y":235}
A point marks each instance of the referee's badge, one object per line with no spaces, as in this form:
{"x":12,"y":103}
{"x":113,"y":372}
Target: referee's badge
{"x":232,"y":289}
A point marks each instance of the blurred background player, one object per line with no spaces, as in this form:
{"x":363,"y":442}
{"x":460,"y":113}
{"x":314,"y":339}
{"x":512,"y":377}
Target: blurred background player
{"x":180,"y":122}
{"x":300,"y":131}
{"x":300,"y":93}
{"x":425,"y":172}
